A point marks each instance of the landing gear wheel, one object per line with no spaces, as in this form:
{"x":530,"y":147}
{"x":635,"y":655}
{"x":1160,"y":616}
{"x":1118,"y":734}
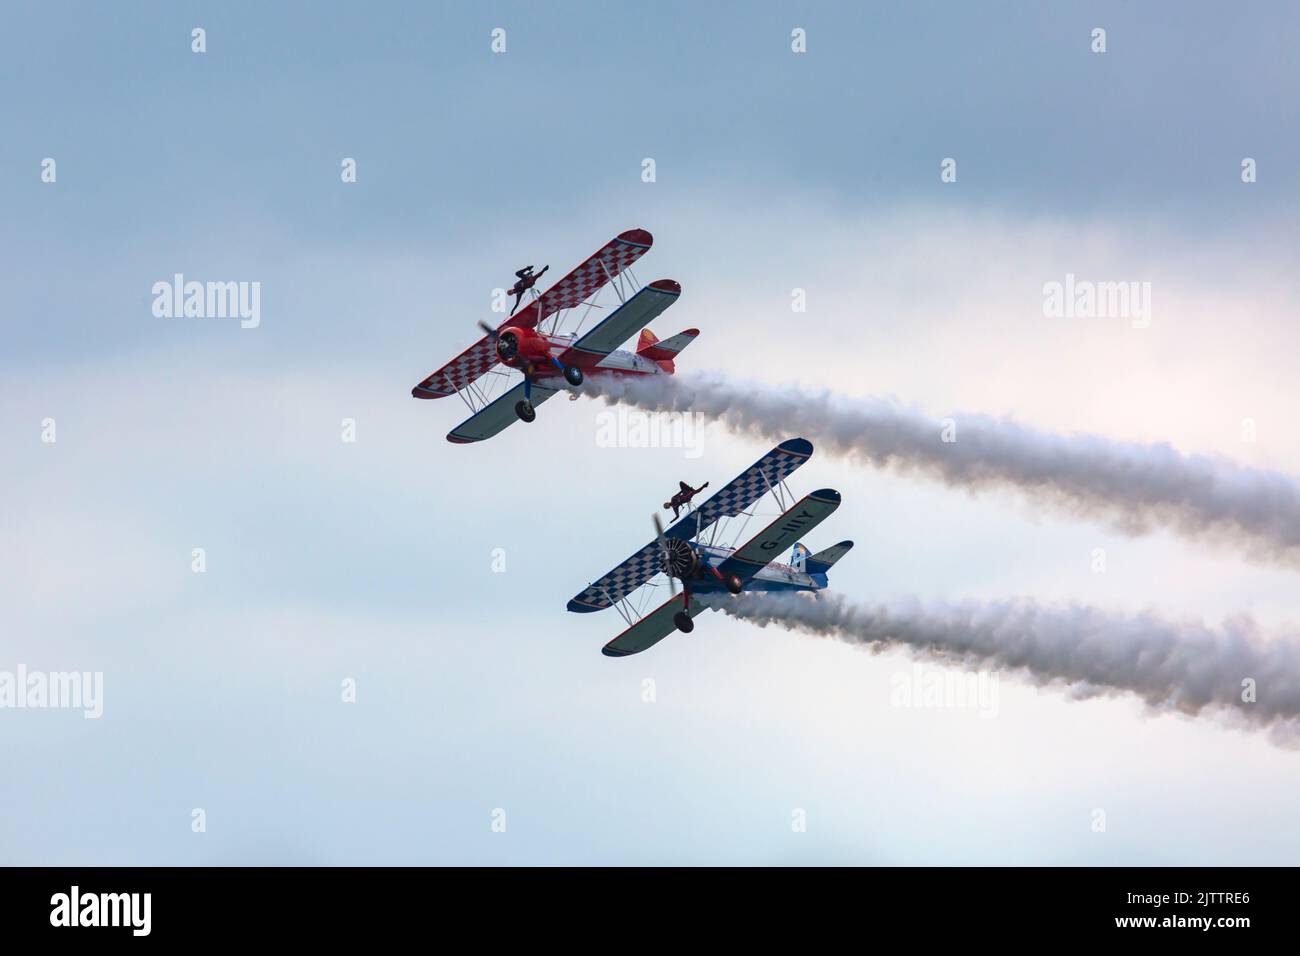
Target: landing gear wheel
{"x":683,"y":622}
{"x":573,"y":376}
{"x":733,"y":584}
{"x":525,"y":410}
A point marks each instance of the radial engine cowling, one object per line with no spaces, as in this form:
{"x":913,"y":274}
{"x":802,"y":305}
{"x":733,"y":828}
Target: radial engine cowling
{"x":678,"y":559}
{"x":516,"y":346}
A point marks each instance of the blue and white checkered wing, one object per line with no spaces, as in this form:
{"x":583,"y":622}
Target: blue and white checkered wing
{"x":754,"y":482}
{"x":620,"y":582}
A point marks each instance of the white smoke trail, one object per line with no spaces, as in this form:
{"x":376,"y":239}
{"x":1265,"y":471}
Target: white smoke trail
{"x":1184,"y":667}
{"x":1133,"y":486}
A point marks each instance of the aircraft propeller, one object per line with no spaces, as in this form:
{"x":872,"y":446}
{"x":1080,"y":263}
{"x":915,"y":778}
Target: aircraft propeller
{"x":664,"y":557}
{"x":525,"y":366}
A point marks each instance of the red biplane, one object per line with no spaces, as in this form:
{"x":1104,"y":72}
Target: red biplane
{"x":550,"y":360}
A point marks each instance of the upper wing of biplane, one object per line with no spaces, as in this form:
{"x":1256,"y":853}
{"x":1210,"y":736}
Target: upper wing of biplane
{"x":586,"y":280}
{"x":754,"y":482}
{"x":470,"y":365}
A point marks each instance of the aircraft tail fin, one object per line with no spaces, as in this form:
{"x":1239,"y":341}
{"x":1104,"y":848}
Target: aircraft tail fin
{"x":799,"y":556}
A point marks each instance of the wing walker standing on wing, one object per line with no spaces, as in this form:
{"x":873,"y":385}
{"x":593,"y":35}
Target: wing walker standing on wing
{"x":683,"y":498}
{"x":527,"y":279}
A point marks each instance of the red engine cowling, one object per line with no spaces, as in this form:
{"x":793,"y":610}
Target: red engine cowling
{"x":518,"y":347}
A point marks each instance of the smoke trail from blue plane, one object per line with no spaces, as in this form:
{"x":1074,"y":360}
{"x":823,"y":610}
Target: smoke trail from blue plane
{"x":1174,"y":666}
{"x":1134,"y":487}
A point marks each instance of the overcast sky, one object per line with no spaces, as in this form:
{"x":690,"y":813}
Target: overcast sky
{"x":373,"y":560}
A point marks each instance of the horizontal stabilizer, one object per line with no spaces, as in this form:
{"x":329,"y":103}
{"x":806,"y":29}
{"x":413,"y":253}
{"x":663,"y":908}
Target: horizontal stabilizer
{"x":822,"y":561}
{"x":666,"y":350}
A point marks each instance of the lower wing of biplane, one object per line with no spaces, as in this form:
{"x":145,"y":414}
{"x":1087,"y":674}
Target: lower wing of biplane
{"x":529,"y":342}
{"x":704,"y":568}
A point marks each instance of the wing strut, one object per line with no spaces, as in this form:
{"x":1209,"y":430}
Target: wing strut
{"x":610,"y":279}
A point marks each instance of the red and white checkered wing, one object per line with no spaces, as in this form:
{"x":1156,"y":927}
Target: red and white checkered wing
{"x":574,"y":289}
{"x":469,"y":365}
{"x":587,"y":279}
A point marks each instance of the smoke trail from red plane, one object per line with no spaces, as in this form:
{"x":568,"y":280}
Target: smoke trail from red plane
{"x":1134,"y":487}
